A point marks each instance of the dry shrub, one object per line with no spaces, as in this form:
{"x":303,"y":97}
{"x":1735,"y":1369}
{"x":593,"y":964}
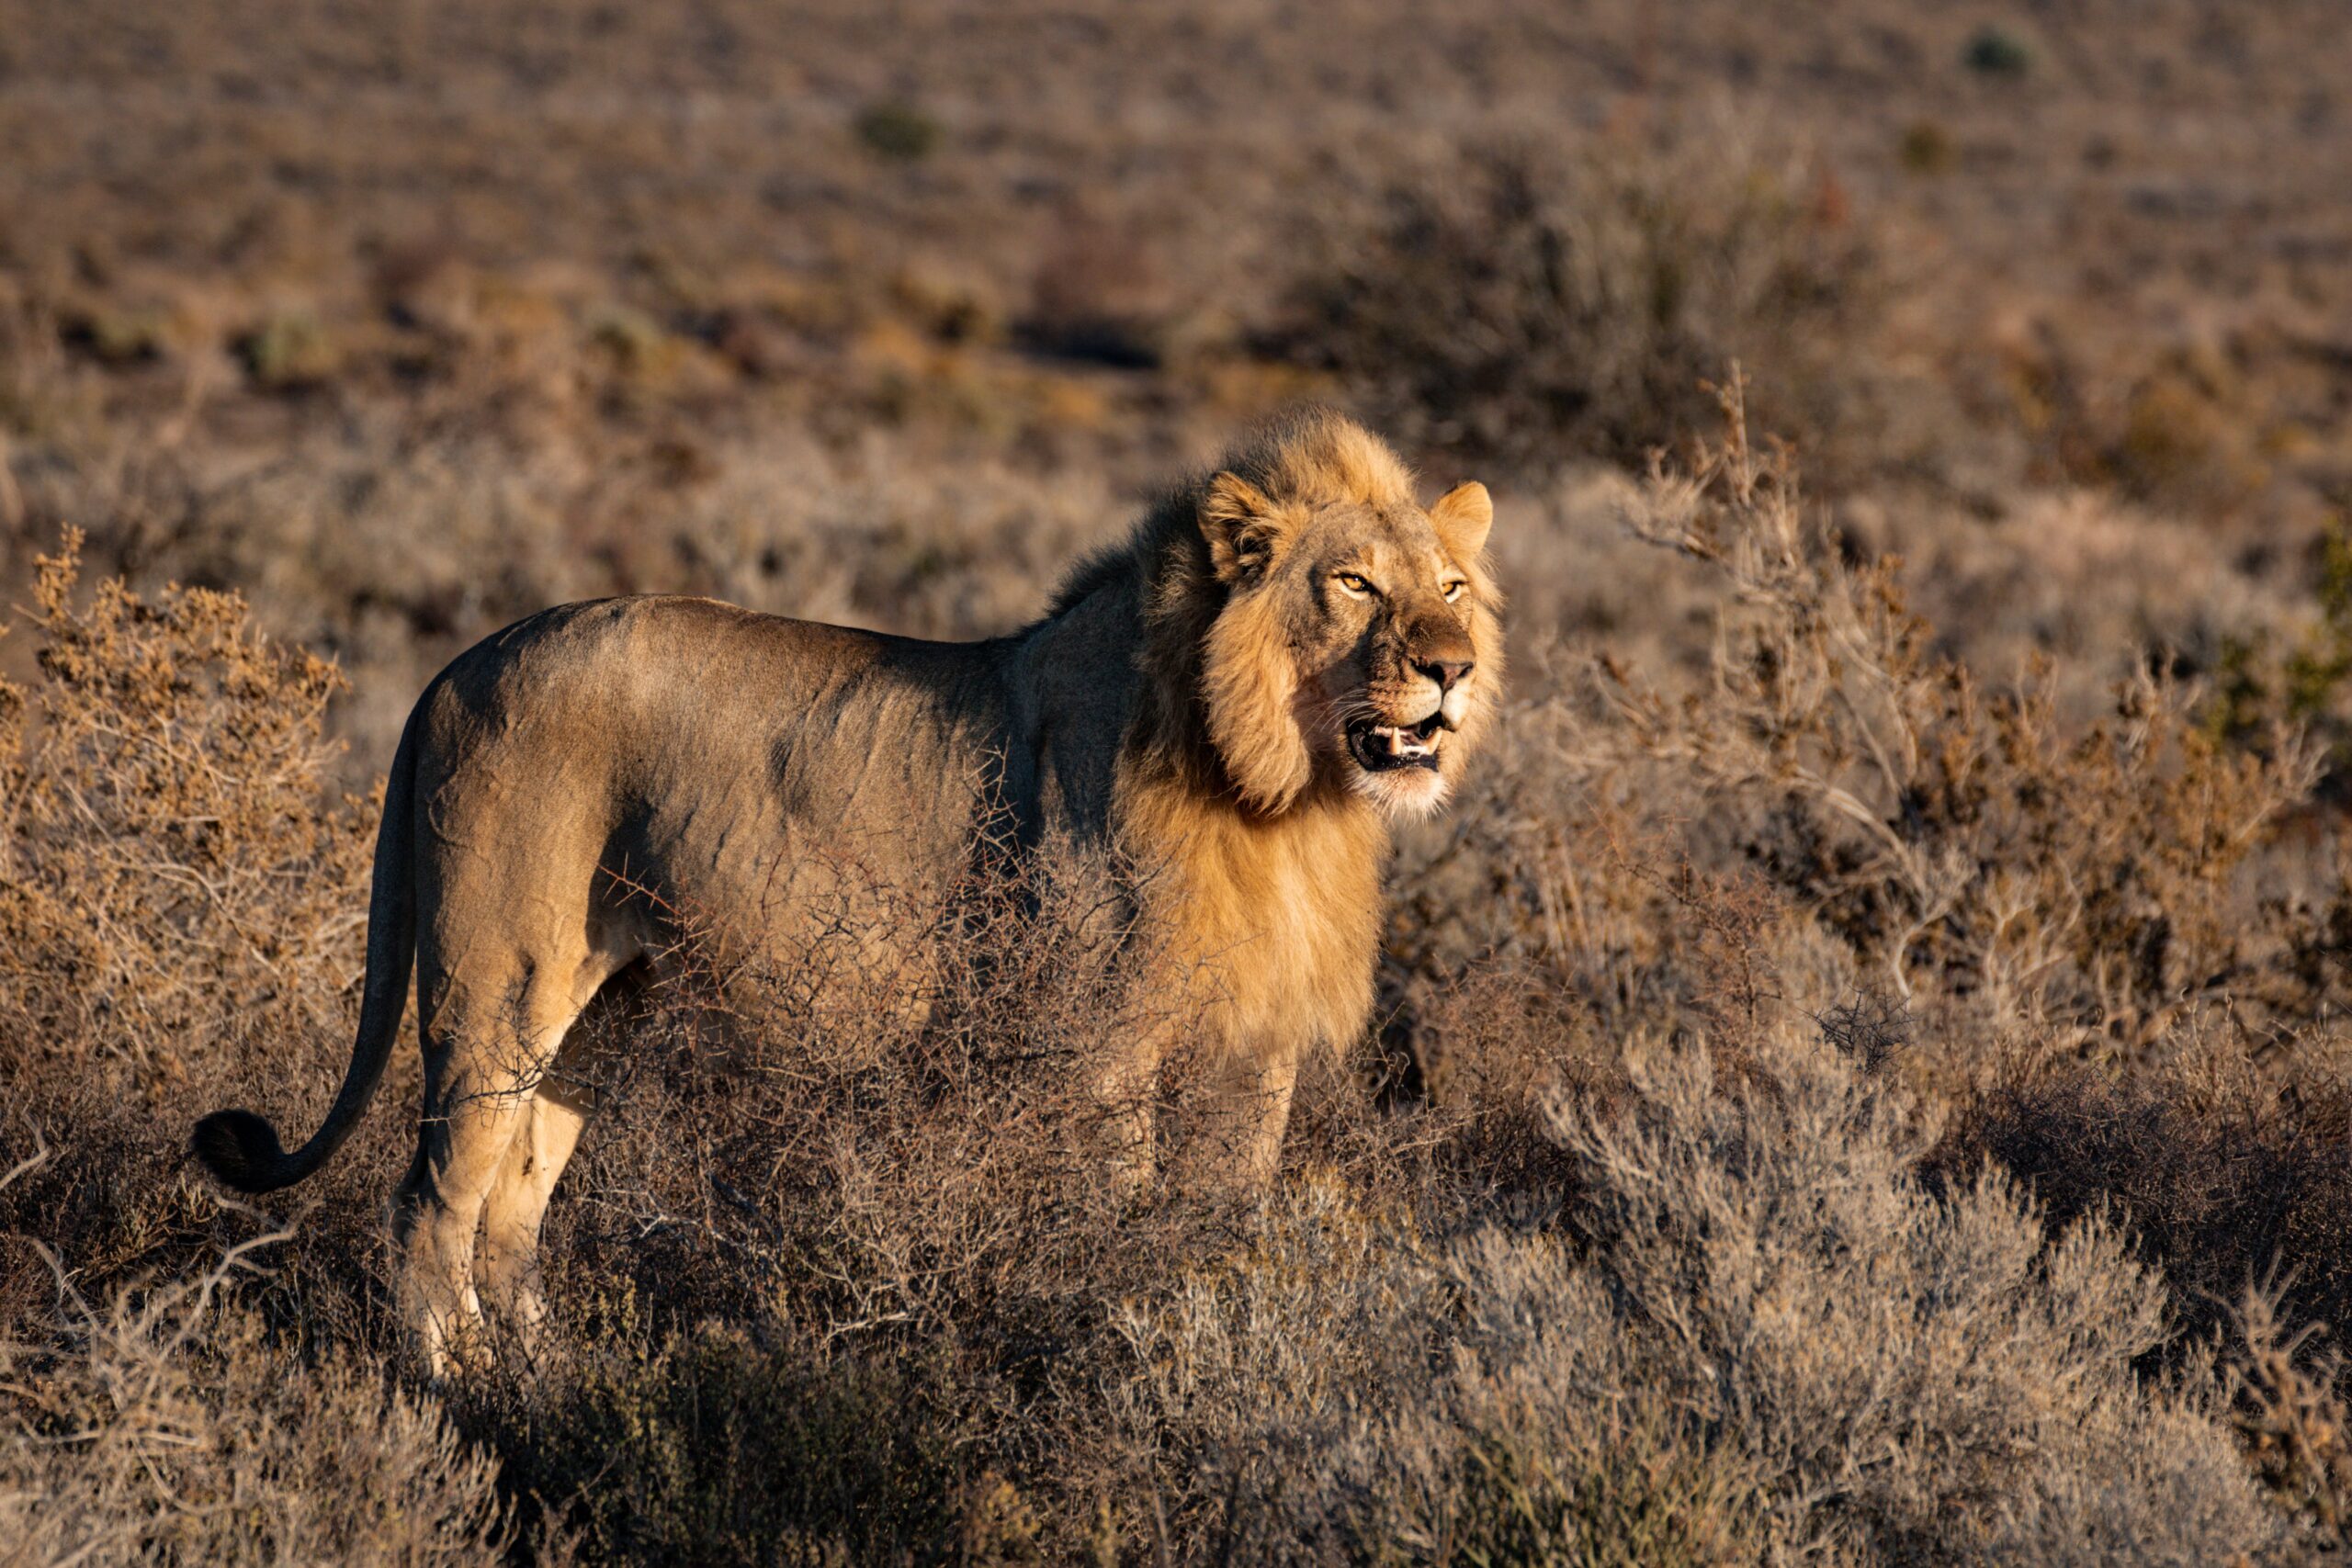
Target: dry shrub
{"x":2183,"y":425}
{"x":1752,"y":1332}
{"x":166,"y":1426}
{"x":181,"y":903}
{"x":1979,"y":855}
{"x":838,"y":1278}
{"x":2228,"y":1173}
{"x":914,"y":1081}
{"x":2118,"y":937}
{"x":722,"y":1443}
{"x":169,"y":861}
{"x":1528,"y":306}
{"x":2286,"y":1388}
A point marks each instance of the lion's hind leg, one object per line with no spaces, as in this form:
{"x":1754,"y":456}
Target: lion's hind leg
{"x":476,"y":1102}
{"x":517,"y":1202}
{"x":494,"y":1138}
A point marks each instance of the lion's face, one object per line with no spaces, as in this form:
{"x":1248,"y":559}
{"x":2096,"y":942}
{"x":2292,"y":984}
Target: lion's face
{"x":1372,"y":628}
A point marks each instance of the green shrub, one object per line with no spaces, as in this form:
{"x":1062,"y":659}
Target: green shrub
{"x":1995,"y":50}
{"x":897,"y":130}
{"x":289,"y":351}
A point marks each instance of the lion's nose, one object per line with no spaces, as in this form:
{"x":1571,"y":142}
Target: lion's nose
{"x":1444,"y":671}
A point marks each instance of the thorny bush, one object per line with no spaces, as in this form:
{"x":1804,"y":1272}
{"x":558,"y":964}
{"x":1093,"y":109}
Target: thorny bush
{"x":168,"y":869}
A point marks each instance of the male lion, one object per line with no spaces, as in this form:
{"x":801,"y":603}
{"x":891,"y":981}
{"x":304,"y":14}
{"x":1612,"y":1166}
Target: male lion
{"x":1283,"y":658}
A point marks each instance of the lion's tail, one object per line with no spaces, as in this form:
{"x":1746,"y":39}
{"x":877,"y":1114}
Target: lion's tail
{"x":240,"y":1148}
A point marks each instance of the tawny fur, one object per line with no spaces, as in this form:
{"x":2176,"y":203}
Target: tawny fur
{"x":1184,"y":708}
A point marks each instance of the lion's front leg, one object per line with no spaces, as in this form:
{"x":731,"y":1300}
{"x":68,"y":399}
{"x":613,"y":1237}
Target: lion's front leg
{"x":1123,"y":1109}
{"x":1247,"y":1113}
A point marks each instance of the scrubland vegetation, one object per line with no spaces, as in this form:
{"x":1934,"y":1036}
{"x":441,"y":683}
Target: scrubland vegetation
{"x":1860,"y":1074}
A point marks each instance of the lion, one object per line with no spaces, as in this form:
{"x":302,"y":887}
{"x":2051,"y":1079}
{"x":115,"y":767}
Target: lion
{"x":1286,"y":657}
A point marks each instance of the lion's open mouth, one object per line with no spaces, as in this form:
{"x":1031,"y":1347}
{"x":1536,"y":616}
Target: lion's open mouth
{"x":1381,"y":748}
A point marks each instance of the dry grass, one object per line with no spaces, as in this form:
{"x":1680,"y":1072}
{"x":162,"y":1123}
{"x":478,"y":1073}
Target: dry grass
{"x":1663,"y":1260}
{"x":163,"y":1425}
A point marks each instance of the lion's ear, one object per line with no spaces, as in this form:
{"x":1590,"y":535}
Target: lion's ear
{"x":1461,"y":516}
{"x":1242,"y":527}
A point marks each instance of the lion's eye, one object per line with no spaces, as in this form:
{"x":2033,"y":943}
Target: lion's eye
{"x":1355,"y":582}
{"x":1452,"y":591}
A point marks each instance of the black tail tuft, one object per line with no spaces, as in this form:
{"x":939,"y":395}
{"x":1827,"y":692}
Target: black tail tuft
{"x":241,"y":1150}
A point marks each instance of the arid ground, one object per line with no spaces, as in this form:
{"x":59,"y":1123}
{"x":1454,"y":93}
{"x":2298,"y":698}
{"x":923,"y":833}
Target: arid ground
{"x":1859,"y":1076}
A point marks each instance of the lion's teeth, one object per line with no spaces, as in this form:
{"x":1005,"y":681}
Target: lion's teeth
{"x":1401,"y":741}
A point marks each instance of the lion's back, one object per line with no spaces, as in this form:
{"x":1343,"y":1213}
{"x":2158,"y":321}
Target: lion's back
{"x":717,"y":749}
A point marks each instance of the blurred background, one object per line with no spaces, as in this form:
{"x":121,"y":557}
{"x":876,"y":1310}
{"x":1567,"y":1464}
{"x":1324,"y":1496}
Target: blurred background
{"x":409,"y":317}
